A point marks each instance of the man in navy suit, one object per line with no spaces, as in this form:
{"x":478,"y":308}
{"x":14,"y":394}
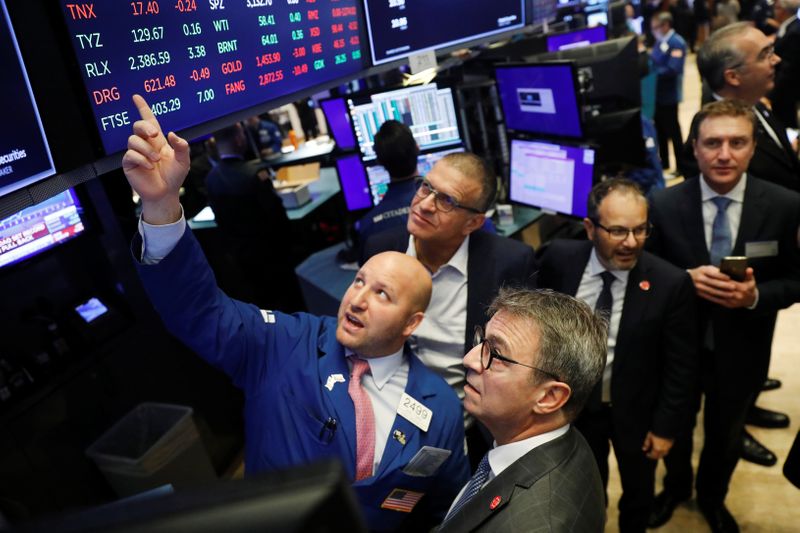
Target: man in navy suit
{"x":726,"y":212}
{"x":669,"y":56}
{"x":315,"y":387}
{"x":644,"y":400}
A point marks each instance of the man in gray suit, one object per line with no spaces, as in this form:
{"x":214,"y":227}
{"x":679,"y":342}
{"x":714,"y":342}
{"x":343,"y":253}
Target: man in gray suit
{"x":528,"y":377}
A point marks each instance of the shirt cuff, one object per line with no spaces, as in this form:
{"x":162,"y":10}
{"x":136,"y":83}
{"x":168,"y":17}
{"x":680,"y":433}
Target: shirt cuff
{"x":754,"y":303}
{"x":159,"y":240}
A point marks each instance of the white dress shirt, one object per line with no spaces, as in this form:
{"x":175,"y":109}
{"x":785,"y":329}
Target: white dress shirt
{"x":501,"y":457}
{"x":385,"y":384}
{"x":439,"y":339}
{"x":589,"y":291}
{"x":734,"y":210}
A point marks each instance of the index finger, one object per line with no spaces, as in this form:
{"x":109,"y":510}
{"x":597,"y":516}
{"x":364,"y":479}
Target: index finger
{"x":145,"y":112}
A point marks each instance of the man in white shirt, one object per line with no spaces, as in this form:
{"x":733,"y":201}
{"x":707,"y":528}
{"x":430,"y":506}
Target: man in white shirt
{"x":528,"y":377}
{"x":726,"y":212}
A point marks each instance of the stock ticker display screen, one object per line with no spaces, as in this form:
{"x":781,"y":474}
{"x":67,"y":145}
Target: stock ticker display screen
{"x":399,"y":28}
{"x":197,"y":60}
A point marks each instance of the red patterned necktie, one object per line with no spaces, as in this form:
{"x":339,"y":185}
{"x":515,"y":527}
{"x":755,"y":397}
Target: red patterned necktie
{"x":365,"y":420}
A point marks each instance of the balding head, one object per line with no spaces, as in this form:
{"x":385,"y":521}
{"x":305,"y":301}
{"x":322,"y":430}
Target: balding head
{"x":384,"y":304}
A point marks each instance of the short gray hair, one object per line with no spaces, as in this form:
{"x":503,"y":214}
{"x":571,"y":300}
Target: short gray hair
{"x":475,"y":167}
{"x":720,"y":53}
{"x":573,"y":340}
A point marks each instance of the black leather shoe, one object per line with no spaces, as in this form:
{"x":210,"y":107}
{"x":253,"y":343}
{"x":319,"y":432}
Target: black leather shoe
{"x":764,"y":418}
{"x":755,"y":452}
{"x":664,"y":505}
{"x":719,"y":519}
{"x":771,"y":384}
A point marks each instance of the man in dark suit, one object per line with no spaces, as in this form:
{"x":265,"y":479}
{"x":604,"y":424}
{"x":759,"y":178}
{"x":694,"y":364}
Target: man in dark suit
{"x":527,"y":378}
{"x":785,"y":95}
{"x":467,"y":266}
{"x":726,"y":212}
{"x":644,"y":399}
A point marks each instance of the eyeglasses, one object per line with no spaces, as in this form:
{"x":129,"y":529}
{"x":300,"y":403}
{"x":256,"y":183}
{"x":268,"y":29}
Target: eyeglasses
{"x":444,"y":202}
{"x":489,"y":354}
{"x":764,"y":55}
{"x":619,"y":233}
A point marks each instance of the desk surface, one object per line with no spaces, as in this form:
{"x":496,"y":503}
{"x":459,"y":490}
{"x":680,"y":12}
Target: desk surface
{"x":320,"y":190}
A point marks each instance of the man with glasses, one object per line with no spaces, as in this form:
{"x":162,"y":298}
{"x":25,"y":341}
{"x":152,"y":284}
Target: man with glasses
{"x":467,"y":266}
{"x":726,"y":212}
{"x":644,"y":398}
{"x":528,"y":377}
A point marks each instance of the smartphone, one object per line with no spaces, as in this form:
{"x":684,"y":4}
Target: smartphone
{"x":734,"y":266}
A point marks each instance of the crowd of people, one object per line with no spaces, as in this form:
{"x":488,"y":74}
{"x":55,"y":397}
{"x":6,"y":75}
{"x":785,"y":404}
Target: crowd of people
{"x":472,"y":384}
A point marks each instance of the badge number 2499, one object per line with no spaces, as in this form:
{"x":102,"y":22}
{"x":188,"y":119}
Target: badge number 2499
{"x":415,"y":412}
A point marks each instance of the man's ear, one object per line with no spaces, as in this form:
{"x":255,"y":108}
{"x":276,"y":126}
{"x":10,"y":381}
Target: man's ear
{"x":588,"y":225}
{"x":552,"y":397}
{"x":731,"y":77}
{"x":475,"y":222}
{"x":412,"y":323}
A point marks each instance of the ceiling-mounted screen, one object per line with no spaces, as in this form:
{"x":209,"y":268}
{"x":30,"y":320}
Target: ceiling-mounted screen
{"x":400,"y":28}
{"x":24,"y":154}
{"x":195,"y":60}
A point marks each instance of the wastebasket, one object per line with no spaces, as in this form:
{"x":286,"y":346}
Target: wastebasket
{"x":153,"y":445}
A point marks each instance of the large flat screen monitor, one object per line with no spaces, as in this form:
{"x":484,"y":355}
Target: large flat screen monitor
{"x":575,"y":39}
{"x":400,"y":28}
{"x":24,"y":153}
{"x":541,"y":99}
{"x":339,"y":126}
{"x":552,"y":177}
{"x":427,"y":110}
{"x":379,"y":179}
{"x":353,"y":182}
{"x":195,"y":61}
{"x":40,"y":227}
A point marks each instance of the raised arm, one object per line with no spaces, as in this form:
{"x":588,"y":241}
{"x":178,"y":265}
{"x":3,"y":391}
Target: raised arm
{"x":155,"y":166}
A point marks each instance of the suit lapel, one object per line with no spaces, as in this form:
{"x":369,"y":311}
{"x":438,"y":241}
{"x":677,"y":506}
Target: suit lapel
{"x":574,"y":267}
{"x":633,"y":309}
{"x":754,"y":211}
{"x":782,"y":153}
{"x":691,"y":215}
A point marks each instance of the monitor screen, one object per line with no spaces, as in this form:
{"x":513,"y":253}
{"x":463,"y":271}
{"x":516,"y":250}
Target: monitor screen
{"x":339,"y":126}
{"x":541,"y":99}
{"x":539,"y":11}
{"x":379,"y":178}
{"x":24,"y":153}
{"x":598,"y":18}
{"x":353,"y":180}
{"x":195,"y":61}
{"x":400,"y":28}
{"x":576,"y":39}
{"x":428,"y":111}
{"x":550,"y":176}
{"x":40,"y":227}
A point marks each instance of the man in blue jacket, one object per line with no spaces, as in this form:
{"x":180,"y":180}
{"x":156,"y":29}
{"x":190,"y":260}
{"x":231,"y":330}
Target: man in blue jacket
{"x":315,"y":387}
{"x":669,"y":56}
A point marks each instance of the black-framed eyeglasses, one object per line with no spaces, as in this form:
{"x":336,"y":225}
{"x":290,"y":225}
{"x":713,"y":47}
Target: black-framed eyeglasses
{"x":620,"y":233}
{"x":444,"y":202}
{"x":489,"y":354}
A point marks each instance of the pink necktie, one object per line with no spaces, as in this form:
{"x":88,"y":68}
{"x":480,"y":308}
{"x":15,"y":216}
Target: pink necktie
{"x":365,"y":420}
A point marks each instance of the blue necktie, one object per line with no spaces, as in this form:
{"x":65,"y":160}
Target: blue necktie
{"x":721,"y":242}
{"x":473,"y":487}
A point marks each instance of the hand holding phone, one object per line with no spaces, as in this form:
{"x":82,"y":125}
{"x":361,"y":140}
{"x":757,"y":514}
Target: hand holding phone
{"x":734,"y":266}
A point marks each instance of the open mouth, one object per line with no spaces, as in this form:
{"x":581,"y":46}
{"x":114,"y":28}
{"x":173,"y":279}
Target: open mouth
{"x":352,"y":321}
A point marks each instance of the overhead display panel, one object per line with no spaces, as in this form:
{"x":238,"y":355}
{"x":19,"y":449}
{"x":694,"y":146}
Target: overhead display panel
{"x":399,"y":28}
{"x":24,"y":154}
{"x":197,"y":60}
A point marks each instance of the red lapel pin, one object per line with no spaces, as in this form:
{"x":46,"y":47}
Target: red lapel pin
{"x":644,"y":285}
{"x":495,"y":502}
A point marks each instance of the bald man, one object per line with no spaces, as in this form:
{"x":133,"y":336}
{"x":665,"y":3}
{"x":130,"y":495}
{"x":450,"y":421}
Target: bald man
{"x":315,"y":387}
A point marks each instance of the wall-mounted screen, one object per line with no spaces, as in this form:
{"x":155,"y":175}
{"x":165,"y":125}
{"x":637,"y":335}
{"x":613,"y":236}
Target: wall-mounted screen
{"x":40,"y":227}
{"x":549,"y":176}
{"x":541,"y":99}
{"x":24,"y":154}
{"x":400,"y":28}
{"x":195,"y":60}
{"x":576,"y":39}
{"x":428,"y":111}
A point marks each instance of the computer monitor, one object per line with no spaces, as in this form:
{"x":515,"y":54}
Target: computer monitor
{"x":597,"y":18}
{"x":576,"y":39}
{"x":354,"y":183}
{"x":618,"y":136}
{"x":541,"y":11}
{"x":552,"y":177}
{"x":24,"y":152}
{"x":316,"y":498}
{"x":427,"y":110}
{"x":339,"y":126}
{"x":379,"y":178}
{"x":398,"y":28}
{"x":40,"y":227}
{"x":540,"y":98}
